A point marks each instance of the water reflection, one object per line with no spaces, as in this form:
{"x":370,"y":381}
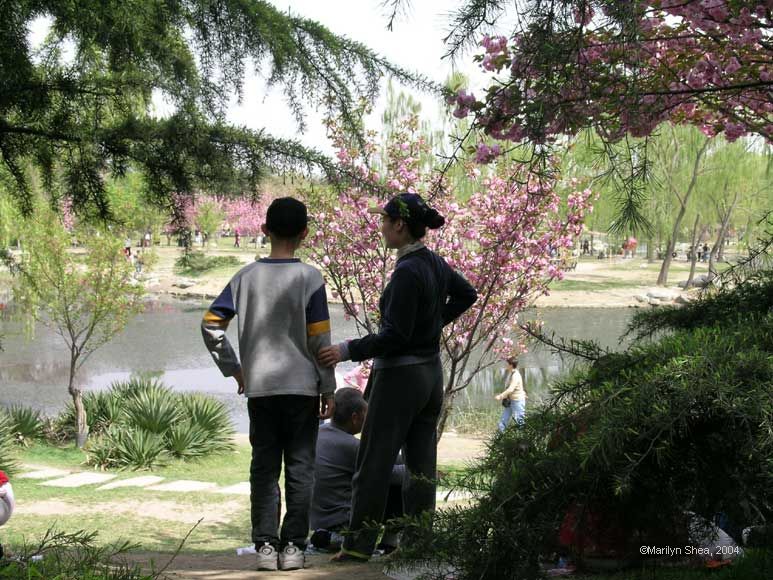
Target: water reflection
{"x":165,"y":340}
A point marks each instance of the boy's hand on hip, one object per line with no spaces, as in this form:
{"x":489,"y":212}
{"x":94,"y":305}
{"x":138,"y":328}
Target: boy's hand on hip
{"x":329,"y":356}
{"x":327,"y":406}
{"x":239,"y":381}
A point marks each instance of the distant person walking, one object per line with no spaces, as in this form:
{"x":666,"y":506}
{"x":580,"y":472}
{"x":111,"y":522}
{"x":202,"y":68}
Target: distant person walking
{"x":513,"y":398}
{"x":405,"y":390}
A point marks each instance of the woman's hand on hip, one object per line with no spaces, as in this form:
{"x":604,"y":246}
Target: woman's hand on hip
{"x":329,"y":356}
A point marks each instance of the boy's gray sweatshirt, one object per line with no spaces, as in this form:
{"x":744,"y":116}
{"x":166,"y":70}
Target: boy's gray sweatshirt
{"x":283,"y":320}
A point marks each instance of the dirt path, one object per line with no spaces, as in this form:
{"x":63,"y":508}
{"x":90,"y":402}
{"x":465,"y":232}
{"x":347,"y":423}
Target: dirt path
{"x":232,"y":567}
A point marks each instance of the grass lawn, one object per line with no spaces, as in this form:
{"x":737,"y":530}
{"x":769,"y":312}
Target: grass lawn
{"x":156,"y":520}
{"x":591,"y":286}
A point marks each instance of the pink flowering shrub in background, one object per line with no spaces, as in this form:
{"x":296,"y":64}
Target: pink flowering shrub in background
{"x":500,"y":239}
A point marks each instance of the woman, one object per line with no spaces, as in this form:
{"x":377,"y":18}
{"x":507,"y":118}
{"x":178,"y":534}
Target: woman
{"x":405,"y":389}
{"x":513,"y":398}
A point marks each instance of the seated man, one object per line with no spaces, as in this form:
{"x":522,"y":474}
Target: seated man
{"x":337,"y":448}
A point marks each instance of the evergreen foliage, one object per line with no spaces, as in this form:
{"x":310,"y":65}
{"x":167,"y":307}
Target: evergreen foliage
{"x":81,"y":107}
{"x":628,"y":446}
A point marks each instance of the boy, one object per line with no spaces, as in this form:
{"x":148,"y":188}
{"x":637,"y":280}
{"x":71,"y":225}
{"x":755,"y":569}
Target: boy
{"x":283,"y":322}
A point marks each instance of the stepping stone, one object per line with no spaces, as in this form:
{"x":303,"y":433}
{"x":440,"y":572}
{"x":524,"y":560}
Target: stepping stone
{"x":133,"y":482}
{"x":43,"y":474}
{"x":242,"y":488}
{"x":80,"y":479}
{"x":184,"y":485}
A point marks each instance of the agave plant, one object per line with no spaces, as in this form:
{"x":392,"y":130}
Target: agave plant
{"x":153,"y":410}
{"x":128,"y":448}
{"x":26,"y":424}
{"x":210,"y":416}
{"x":185,"y":441}
{"x":7,"y":445}
{"x":140,"y":449}
{"x":140,"y":423}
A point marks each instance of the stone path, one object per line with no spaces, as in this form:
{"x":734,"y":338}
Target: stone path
{"x":66,"y":479}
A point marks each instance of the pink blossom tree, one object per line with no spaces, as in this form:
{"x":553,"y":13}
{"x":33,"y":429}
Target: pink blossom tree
{"x":247,"y":215}
{"x":500,"y":240}
{"x":619,"y":69}
{"x":625,"y":67}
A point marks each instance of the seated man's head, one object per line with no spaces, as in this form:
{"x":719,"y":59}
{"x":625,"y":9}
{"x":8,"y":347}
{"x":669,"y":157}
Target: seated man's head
{"x":286,"y":221}
{"x":350,"y":410}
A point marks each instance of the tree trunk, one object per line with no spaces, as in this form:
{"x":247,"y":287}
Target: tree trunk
{"x":693,"y":253}
{"x":445,"y":413}
{"x":721,"y":236}
{"x":663,"y":276}
{"x":81,"y":425}
{"x":650,"y":250}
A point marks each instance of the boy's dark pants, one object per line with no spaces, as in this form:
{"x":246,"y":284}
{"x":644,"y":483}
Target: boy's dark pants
{"x":404,"y":405}
{"x":282,"y":426}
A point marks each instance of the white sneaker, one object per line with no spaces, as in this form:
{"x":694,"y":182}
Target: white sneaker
{"x":291,"y":558}
{"x":267,"y":557}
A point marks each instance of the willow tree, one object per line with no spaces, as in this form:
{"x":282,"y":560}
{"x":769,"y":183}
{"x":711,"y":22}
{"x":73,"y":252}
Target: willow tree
{"x":79,"y":108}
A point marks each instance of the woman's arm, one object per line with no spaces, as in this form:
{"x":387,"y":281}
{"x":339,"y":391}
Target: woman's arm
{"x":461,"y":295}
{"x":401,"y":302}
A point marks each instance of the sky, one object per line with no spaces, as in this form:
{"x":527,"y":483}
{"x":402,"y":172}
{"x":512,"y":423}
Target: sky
{"x":415,"y":44}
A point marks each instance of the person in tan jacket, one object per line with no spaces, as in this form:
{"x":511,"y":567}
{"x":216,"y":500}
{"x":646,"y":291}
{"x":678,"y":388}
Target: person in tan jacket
{"x":513,"y":398}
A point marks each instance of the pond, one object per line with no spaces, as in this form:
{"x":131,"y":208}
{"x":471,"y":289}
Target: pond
{"x":165,"y":340}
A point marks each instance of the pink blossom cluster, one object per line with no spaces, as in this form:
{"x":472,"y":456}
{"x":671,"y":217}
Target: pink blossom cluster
{"x":246,"y":215}
{"x":708,"y":63}
{"x":500,"y":239}
{"x":486,"y":154}
{"x":241,"y":214}
{"x":464,"y":102}
{"x":496,"y":53}
{"x":66,"y":213}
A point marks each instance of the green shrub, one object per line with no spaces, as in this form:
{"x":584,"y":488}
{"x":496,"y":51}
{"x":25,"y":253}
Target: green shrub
{"x":138,"y":448}
{"x":103,"y":409}
{"x":26,"y":424}
{"x":196,"y":263}
{"x":153,"y":410}
{"x":186,"y":440}
{"x":211,"y":416}
{"x":140,"y":423}
{"x":8,"y":461}
{"x":73,"y":555}
{"x":127,"y":447}
{"x":626,"y":448}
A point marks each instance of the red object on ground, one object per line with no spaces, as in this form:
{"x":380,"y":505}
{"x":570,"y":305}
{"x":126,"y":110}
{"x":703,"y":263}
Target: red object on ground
{"x":3,"y":478}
